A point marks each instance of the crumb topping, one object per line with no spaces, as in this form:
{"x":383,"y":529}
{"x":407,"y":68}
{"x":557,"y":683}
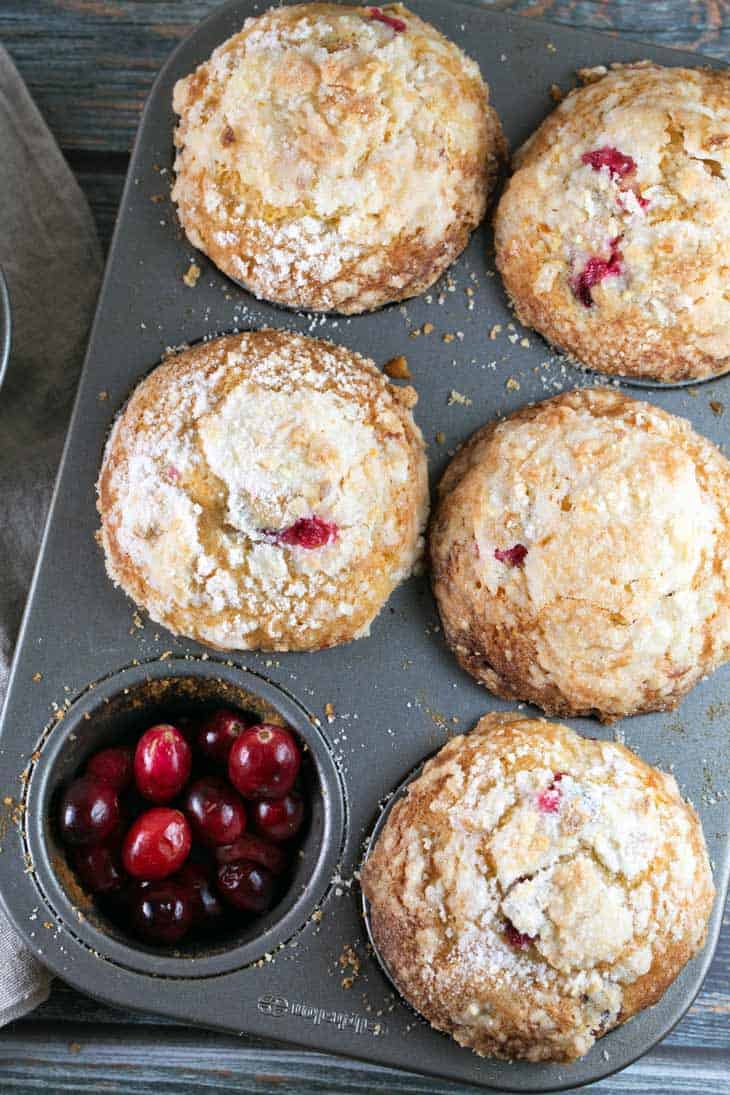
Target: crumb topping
{"x":641,"y":158}
{"x":530,"y":926}
{"x":321,"y":135}
{"x":251,"y":486}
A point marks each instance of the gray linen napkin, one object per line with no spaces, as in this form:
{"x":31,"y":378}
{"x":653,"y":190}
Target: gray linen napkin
{"x":52,"y":262}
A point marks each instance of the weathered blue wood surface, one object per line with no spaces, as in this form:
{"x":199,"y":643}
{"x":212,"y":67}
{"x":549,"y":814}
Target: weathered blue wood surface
{"x":89,"y":65}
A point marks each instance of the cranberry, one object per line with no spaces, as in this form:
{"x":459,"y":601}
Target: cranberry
{"x":280,"y":819}
{"x":617,"y":162}
{"x":594,"y":271}
{"x":157,"y":844}
{"x":207,"y":909}
{"x":162,"y":912}
{"x":308,"y":532}
{"x":549,"y":800}
{"x":99,"y":868}
{"x":514,"y":556}
{"x":162,"y":763}
{"x":255,"y":848}
{"x":114,"y":765}
{"x":246,"y":885}
{"x":264,"y":762}
{"x":216,"y":813}
{"x":218,"y":733}
{"x":89,"y":811}
{"x":519,"y":940}
{"x":390,"y":20}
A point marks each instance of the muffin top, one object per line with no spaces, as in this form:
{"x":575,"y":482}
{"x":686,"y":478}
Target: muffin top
{"x":264,"y":491}
{"x":581,"y":555}
{"x":613,"y":235}
{"x":334,"y":157}
{"x":533,"y":888}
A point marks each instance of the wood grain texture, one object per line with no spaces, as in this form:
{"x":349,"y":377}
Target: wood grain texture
{"x":89,"y":65}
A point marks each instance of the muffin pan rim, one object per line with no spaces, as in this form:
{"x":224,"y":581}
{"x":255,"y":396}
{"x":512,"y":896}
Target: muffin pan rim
{"x":91,"y":636}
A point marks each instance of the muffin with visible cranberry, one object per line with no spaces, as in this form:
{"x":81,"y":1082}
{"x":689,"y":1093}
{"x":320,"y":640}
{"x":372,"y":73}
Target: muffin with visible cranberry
{"x":533,"y":889}
{"x":580,"y":556}
{"x":264,"y":491}
{"x":334,"y":158}
{"x":613,"y":235}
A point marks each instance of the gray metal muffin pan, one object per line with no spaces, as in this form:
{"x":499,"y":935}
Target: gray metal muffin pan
{"x":84,"y":654}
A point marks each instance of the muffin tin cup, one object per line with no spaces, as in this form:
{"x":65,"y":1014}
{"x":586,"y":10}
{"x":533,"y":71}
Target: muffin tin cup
{"x":127,"y":702}
{"x":383,"y":703}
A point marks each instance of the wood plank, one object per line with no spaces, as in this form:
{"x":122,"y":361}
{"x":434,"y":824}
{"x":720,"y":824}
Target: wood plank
{"x":129,"y":1062}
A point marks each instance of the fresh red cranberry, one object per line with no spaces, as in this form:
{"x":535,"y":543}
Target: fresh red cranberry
{"x":308,"y":532}
{"x":162,"y":763}
{"x":617,"y":162}
{"x":514,"y":556}
{"x":519,"y":940}
{"x":246,"y":886}
{"x":89,"y":811}
{"x":255,"y":848}
{"x":162,"y":912}
{"x":216,"y":813}
{"x":390,"y":20}
{"x":549,"y":800}
{"x":594,"y":271}
{"x":218,"y":733}
{"x":207,"y":909}
{"x":114,"y":765}
{"x":99,"y":868}
{"x":264,"y":762}
{"x":157,"y":844}
{"x":278,"y":819}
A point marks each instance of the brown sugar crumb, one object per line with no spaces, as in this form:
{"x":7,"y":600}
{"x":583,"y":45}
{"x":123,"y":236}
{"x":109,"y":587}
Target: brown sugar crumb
{"x":37,"y":677}
{"x":317,"y":916}
{"x":427,"y":328}
{"x":397,"y":368}
{"x":448,"y":337}
{"x":191,"y":275}
{"x":556,"y":93}
{"x":350,"y":965}
{"x":512,"y":384}
{"x":157,"y":198}
{"x":74,"y":1047}
{"x":329,"y":711}
{"x":441,"y":438}
{"x":717,"y":407}
{"x":496,"y":329}
{"x":7,"y":801}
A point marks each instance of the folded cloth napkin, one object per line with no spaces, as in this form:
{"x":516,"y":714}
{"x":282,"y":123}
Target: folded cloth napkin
{"x":52,"y":262}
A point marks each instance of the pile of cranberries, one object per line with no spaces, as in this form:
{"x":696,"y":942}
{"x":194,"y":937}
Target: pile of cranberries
{"x":189,"y":829}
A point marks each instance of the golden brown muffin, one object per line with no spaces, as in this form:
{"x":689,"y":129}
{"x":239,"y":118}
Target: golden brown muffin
{"x":533,"y":888}
{"x":334,"y":158}
{"x":581,"y":556}
{"x":264,"y":491}
{"x":613,"y":235}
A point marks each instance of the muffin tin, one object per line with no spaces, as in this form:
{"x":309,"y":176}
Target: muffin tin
{"x":86,"y":663}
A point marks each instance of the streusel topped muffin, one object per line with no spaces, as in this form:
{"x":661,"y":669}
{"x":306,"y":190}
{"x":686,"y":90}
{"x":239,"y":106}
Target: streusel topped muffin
{"x":613,"y":235}
{"x":334,"y":158}
{"x":264,"y":491}
{"x":533,"y":888}
{"x":581,"y":556}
